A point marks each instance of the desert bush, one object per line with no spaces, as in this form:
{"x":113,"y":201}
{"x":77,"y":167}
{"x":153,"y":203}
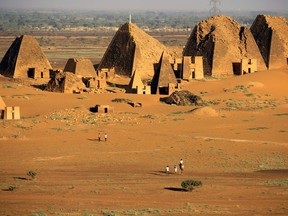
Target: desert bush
{"x":84,"y":97}
{"x":190,"y":184}
{"x":281,"y":114}
{"x":121,"y":100}
{"x":11,"y":188}
{"x":32,"y":174}
{"x":258,"y":128}
{"x":8,"y":86}
{"x":148,"y":116}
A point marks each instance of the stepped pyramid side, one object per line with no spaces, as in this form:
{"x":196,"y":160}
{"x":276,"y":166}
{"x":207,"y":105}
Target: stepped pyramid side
{"x":135,"y":81}
{"x":164,"y":75}
{"x":8,"y":63}
{"x":25,"y":54}
{"x":197,"y":46}
{"x":249,"y":48}
{"x":222,"y":41}
{"x":81,"y":67}
{"x":131,"y":49}
{"x":270,"y":33}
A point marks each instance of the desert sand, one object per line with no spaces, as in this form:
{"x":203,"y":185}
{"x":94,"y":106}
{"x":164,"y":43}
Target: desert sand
{"x":237,"y":146}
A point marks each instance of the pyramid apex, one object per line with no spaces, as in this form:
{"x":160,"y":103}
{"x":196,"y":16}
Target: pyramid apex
{"x":128,"y":26}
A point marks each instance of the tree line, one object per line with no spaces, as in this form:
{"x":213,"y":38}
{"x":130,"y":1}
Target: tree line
{"x":17,"y":20}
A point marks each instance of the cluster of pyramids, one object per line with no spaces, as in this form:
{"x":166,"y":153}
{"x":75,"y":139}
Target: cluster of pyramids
{"x":220,"y":40}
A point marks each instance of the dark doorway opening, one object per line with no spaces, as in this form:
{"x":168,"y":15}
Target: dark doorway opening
{"x":163,"y":90}
{"x":1,"y":114}
{"x":31,"y":73}
{"x":193,"y":74}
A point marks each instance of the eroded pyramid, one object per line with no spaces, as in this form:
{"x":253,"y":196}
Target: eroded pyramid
{"x":132,"y":49}
{"x":23,"y":57}
{"x":65,"y":83}
{"x":270,"y":33}
{"x":222,"y":41}
{"x":81,"y":67}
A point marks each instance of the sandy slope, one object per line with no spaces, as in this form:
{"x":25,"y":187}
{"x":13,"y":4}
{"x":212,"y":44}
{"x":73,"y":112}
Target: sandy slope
{"x":237,"y":147}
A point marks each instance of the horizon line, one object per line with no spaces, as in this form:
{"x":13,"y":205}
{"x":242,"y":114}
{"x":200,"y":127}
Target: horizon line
{"x":136,"y":10}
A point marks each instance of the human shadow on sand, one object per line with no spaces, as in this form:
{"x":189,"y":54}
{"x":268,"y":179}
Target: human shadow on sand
{"x":6,"y":190}
{"x":41,"y":86}
{"x":175,"y":189}
{"x":21,"y":178}
{"x":161,"y":173}
{"x":93,"y":140}
{"x":273,"y":171}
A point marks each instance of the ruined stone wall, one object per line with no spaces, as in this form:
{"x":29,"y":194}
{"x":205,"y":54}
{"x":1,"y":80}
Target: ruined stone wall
{"x":65,"y":83}
{"x":198,"y":65}
{"x":248,"y":66}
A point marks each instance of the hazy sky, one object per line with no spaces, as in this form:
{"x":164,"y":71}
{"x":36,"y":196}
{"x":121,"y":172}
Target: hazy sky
{"x":189,"y":5}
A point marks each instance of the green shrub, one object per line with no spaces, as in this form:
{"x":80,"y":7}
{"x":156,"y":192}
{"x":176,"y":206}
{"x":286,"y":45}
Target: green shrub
{"x":12,"y":188}
{"x":190,"y":185}
{"x":32,"y":174}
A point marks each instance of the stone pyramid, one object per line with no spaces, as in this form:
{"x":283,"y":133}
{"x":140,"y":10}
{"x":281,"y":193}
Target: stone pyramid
{"x":164,"y":75}
{"x":222,"y":41}
{"x":132,"y":49}
{"x":135,"y":81}
{"x":81,"y":67}
{"x":23,"y":55}
{"x":270,"y":33}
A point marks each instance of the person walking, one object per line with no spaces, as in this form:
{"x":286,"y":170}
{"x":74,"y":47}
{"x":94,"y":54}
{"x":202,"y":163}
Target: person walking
{"x":181,"y":166}
{"x":175,"y":169}
{"x":105,"y":137}
{"x":167,"y":169}
{"x":99,"y":137}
